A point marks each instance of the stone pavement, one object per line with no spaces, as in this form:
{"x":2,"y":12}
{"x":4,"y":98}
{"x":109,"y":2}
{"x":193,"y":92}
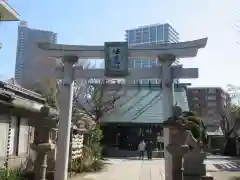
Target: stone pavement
{"x":134,"y":169}
{"x":226,"y":175}
{"x":222,"y":163}
{"x":122,"y":169}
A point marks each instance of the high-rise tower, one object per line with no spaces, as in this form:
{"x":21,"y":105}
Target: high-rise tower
{"x":31,"y":63}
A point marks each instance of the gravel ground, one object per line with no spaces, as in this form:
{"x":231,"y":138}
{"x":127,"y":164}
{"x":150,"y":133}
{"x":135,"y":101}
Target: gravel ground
{"x":226,"y":175}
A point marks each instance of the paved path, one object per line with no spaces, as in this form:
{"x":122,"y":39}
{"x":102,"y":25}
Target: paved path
{"x":222,"y":163}
{"x":226,"y":175}
{"x":131,"y":169}
{"x":134,"y":169}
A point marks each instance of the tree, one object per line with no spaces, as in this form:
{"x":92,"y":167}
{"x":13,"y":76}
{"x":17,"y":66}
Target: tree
{"x":99,"y":100}
{"x":230,"y":117}
{"x":49,"y":88}
{"x":95,"y":101}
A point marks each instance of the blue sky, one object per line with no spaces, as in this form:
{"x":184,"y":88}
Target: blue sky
{"x":93,"y":22}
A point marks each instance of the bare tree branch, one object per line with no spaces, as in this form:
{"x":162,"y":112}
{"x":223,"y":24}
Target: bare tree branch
{"x":100,"y":100}
{"x":231,"y":113}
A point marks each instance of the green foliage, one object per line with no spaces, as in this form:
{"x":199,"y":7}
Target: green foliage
{"x":90,"y":161}
{"x":96,"y":166}
{"x":11,"y":174}
{"x":95,"y":136}
{"x":94,"y":142}
{"x":195,"y":130}
{"x":77,"y":165}
{"x":188,"y":113}
{"x":197,"y":127}
{"x":195,"y":120}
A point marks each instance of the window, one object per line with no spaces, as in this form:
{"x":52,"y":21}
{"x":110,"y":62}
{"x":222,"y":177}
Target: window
{"x":211,"y":98}
{"x":160,"y":33}
{"x":153,"y":63}
{"x":211,"y":90}
{"x":137,"y":64}
{"x":153,"y":34}
{"x":145,"y":35}
{"x":196,"y":106}
{"x":195,"y":91}
{"x":211,"y":112}
{"x":196,"y":98}
{"x":211,"y":104}
{"x":143,"y":81}
{"x":145,"y":63}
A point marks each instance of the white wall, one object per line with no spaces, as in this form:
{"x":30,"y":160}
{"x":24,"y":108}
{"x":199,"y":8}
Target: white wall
{"x":3,"y":138}
{"x":3,"y":135}
{"x":23,"y":137}
{"x":13,"y":137}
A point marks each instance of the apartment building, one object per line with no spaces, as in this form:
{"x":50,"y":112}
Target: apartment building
{"x":208,"y":102}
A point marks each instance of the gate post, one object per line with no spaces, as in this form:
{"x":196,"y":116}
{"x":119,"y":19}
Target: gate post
{"x":63,"y":139}
{"x":168,"y":101}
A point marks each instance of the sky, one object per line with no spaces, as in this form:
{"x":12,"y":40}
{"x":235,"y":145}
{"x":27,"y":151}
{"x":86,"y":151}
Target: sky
{"x":92,"y":22}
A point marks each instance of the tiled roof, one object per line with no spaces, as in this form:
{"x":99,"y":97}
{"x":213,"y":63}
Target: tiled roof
{"x":214,"y":131}
{"x":144,"y":105}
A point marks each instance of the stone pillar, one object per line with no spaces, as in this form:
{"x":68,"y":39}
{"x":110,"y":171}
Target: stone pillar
{"x":167,"y":84}
{"x":168,"y":101}
{"x":63,"y":143}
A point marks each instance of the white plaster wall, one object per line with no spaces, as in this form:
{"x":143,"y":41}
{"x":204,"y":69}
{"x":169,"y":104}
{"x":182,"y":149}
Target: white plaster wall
{"x":23,"y":137}
{"x":3,"y":138}
{"x":13,"y":134}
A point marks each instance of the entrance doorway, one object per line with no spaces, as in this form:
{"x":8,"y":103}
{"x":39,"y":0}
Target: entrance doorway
{"x":128,"y":136}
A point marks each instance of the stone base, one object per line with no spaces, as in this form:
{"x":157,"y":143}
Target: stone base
{"x":198,"y":178}
{"x":193,"y":164}
{"x":195,"y":169}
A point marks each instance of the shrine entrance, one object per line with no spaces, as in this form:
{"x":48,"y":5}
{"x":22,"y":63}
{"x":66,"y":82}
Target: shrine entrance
{"x":116,"y":55}
{"x":127,"y":136}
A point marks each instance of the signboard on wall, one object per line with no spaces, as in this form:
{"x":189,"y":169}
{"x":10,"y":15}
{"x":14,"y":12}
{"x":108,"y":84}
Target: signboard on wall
{"x":116,"y":59}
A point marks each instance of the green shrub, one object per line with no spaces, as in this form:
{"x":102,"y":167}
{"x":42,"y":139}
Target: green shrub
{"x":195,"y":120}
{"x":188,"y":113}
{"x":195,"y":129}
{"x":96,"y":150}
{"x":77,"y":165}
{"x":11,"y":174}
{"x":97,"y":165}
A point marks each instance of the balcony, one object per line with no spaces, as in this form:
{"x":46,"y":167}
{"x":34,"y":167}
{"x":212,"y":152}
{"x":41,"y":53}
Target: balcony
{"x":7,"y":13}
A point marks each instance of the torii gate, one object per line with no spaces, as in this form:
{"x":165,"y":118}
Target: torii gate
{"x":165,"y":53}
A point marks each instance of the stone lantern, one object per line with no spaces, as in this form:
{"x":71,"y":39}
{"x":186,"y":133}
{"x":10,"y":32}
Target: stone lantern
{"x":176,"y":146}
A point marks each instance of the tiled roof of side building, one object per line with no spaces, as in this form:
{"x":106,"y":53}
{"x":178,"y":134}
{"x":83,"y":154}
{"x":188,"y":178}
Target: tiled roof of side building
{"x":144,"y":105}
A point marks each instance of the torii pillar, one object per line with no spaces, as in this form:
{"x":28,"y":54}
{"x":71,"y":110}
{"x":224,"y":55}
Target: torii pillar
{"x":63,"y":136}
